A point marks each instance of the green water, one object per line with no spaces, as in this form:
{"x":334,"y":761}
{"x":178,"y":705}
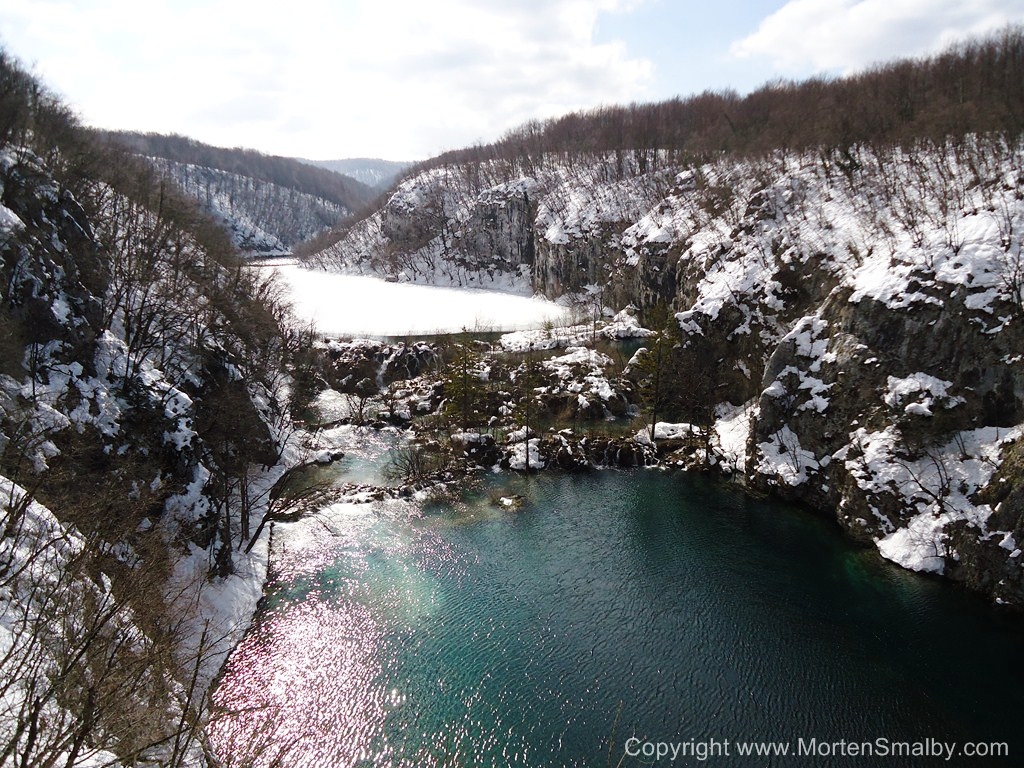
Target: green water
{"x":609,"y":606}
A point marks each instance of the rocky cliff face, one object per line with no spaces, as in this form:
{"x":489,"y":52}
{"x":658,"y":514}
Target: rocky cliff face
{"x":486,"y":226}
{"x":861,"y":310}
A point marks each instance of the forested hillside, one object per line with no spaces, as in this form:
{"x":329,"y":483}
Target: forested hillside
{"x":144,"y":415}
{"x":268,"y":203}
{"x":841,"y":265}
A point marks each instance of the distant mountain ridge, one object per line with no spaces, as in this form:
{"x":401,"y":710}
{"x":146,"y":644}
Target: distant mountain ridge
{"x":268,"y":203}
{"x":374,"y":172}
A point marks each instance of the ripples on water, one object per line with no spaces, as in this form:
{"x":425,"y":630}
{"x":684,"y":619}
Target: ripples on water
{"x":610,"y":605}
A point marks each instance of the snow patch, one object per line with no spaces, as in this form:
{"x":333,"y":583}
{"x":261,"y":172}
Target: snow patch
{"x":926,"y":390}
{"x":525,"y":454}
{"x":939,"y":486}
{"x":781,"y":457}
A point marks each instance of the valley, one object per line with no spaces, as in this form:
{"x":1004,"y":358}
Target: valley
{"x":679,"y":422}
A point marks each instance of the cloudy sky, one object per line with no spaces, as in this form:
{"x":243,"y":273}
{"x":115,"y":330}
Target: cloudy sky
{"x":407,"y":79}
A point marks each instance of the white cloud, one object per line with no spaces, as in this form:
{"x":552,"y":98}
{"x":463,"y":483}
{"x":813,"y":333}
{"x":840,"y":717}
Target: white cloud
{"x":810,"y":36}
{"x":397,"y":78}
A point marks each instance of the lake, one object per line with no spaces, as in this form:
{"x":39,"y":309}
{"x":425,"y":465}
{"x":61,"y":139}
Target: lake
{"x":610,"y":611}
{"x":354,"y":305}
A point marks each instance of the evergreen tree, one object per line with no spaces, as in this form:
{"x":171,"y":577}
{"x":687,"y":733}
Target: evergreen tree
{"x":464,"y":385}
{"x":654,"y":367}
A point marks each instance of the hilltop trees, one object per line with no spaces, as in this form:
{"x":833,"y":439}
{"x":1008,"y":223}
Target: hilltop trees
{"x":976,"y":86}
{"x":268,"y":203}
{"x":572,"y":202}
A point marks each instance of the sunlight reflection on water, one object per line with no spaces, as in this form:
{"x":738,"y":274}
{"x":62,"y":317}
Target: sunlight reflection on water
{"x":397,"y":635}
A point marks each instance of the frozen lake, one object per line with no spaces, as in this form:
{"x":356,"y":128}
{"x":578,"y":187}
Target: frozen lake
{"x":351,"y":305}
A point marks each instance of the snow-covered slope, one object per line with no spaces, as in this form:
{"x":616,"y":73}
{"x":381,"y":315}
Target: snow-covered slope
{"x":269,"y":203}
{"x":261,"y":216}
{"x":865,"y":305}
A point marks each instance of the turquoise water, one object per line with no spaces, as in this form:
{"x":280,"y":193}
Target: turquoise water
{"x":609,"y":606}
